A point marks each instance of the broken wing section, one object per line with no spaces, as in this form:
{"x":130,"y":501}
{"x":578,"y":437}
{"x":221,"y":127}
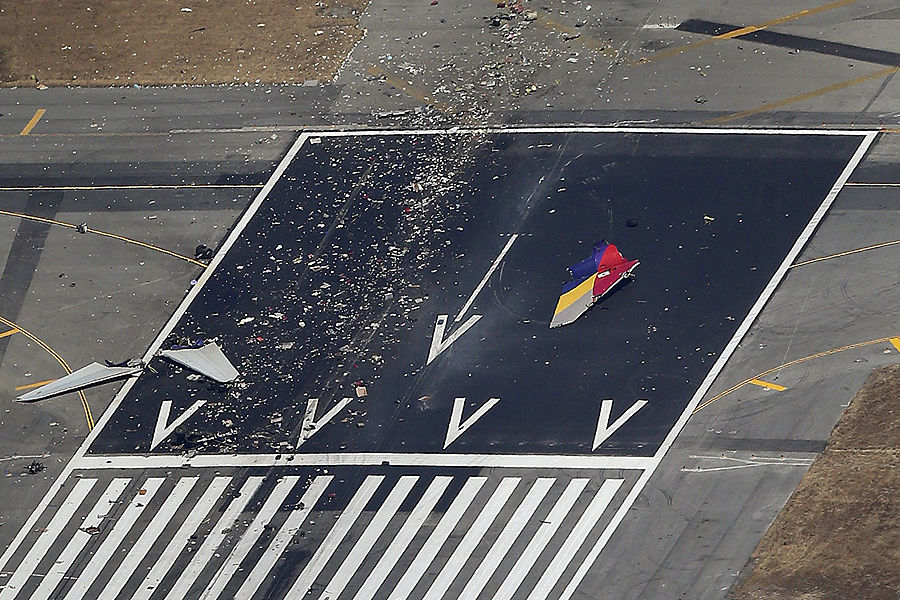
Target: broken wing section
{"x":92,"y":374}
{"x":576,"y":298}
{"x":208,"y":360}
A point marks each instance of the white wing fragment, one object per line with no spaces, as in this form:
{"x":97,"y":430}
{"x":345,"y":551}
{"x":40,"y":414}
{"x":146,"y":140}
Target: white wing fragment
{"x":208,"y":360}
{"x":92,"y":374}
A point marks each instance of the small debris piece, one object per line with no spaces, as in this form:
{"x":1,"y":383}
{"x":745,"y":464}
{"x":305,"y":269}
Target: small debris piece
{"x":82,"y":228}
{"x":203,"y":252}
{"x":361,"y":391}
{"x":91,"y":530}
{"x":631,"y":223}
{"x":701,"y":99}
{"x":142,"y":492}
{"x":708,"y":218}
{"x":35,"y":467}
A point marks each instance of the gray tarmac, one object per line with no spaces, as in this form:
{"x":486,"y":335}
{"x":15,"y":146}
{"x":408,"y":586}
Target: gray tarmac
{"x":692,"y":527}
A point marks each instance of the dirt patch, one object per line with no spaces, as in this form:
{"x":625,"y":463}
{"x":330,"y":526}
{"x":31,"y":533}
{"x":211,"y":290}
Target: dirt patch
{"x":121,"y":42}
{"x":838,"y":537}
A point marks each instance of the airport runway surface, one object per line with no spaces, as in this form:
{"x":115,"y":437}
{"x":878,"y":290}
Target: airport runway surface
{"x":406,"y":424}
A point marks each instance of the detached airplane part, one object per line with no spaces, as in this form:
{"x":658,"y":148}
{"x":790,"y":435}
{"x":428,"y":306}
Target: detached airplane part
{"x":208,"y":360}
{"x":92,"y":374}
{"x":592,"y":279}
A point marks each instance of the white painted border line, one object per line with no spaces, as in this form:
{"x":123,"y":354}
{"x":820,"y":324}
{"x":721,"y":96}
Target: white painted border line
{"x":590,"y":129}
{"x":337,"y":459}
{"x":167,"y":328}
{"x":748,"y":321}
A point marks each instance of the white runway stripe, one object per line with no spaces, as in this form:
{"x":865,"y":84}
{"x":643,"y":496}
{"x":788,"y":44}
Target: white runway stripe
{"x":46,"y":539}
{"x":80,"y":538}
{"x":507,"y":537}
{"x":368,"y":538}
{"x":148,"y":537}
{"x":165,"y":560}
{"x":290,"y":527}
{"x":209,"y":546}
{"x":576,"y":538}
{"x":441,"y":532}
{"x":304,"y":582}
{"x":121,"y":528}
{"x":467,"y":545}
{"x":549,"y":527}
{"x":403,"y":538}
{"x":250,"y":537}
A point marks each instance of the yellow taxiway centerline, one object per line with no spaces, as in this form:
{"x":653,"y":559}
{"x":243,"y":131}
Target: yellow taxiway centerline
{"x":87,"y":409}
{"x":8,"y":333}
{"x":845,"y":253}
{"x":797,"y":361}
{"x":30,"y":125}
{"x":114,"y":236}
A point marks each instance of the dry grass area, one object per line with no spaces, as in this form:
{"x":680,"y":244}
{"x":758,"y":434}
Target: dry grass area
{"x":123,"y":42}
{"x":838,"y":537}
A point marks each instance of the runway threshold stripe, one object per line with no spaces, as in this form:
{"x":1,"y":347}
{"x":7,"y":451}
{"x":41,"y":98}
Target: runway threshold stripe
{"x":549,"y":527}
{"x":436,"y":540}
{"x":565,"y":554}
{"x":312,"y":570}
{"x":80,"y":538}
{"x":223,"y":526}
{"x":472,"y":537}
{"x":250,"y":537}
{"x":290,"y":527}
{"x":370,"y":536}
{"x":767,"y":385}
{"x":403,"y":538}
{"x":165,"y":560}
{"x":123,"y":525}
{"x":512,"y":530}
{"x":45,"y":540}
{"x":149,"y":536}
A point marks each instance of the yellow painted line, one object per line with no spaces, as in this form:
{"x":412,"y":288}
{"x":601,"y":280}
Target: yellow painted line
{"x":33,"y":385}
{"x":409,"y":89}
{"x":30,"y":125}
{"x":813,"y":94}
{"x":866,"y":184}
{"x":149,"y":186}
{"x":792,"y":363}
{"x":8,"y":333}
{"x":895,"y":342}
{"x":114,"y":236}
{"x":88,"y":415}
{"x":742,"y":31}
{"x":845,"y":253}
{"x":767,"y":385}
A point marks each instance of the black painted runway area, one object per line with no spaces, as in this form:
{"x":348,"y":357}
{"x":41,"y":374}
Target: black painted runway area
{"x":365,"y":240}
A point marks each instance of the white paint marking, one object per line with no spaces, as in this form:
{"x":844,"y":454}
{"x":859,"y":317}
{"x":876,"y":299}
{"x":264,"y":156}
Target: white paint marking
{"x":281,"y":540}
{"x":162,"y":431}
{"x":542,"y":537}
{"x":487,"y":276}
{"x":470,"y":540}
{"x":165,"y":560}
{"x":438,"y":537}
{"x":250,"y":537}
{"x":412,"y":459}
{"x":123,"y":525}
{"x":314,"y":567}
{"x":575,"y":539}
{"x":147,"y":539}
{"x":310,"y":425}
{"x":80,"y":538}
{"x":223,"y":526}
{"x":45,"y":540}
{"x":512,"y":530}
{"x":367,"y":540}
{"x":401,"y":541}
{"x":604,"y":429}
{"x":455,"y":428}
{"x":438,"y":344}
{"x":717,"y":367}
